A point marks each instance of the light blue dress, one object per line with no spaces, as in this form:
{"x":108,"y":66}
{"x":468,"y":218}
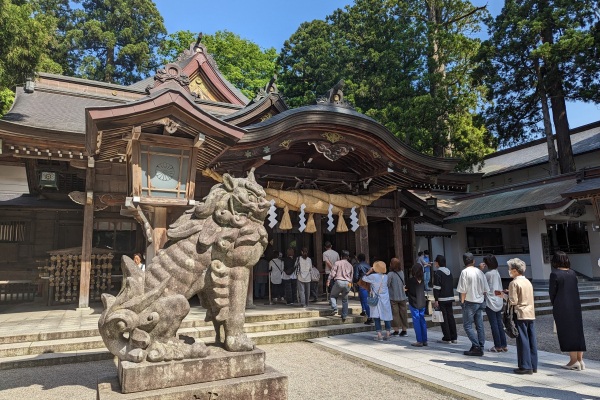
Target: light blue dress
{"x":379,"y":285}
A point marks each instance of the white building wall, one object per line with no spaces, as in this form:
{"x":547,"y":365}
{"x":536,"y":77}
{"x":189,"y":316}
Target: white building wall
{"x":536,"y":226}
{"x":13,"y":179}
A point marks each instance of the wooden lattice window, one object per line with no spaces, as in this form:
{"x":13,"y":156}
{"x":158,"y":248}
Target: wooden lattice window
{"x":12,"y":231}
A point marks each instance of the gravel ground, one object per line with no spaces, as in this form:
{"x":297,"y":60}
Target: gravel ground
{"x":547,"y":340}
{"x":313,"y":373}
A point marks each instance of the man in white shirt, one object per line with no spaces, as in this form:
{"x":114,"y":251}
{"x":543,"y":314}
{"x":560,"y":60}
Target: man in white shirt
{"x":330,"y":257}
{"x":473,"y":287}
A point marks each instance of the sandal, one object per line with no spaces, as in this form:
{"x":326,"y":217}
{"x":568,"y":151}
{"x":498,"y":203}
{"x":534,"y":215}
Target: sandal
{"x":378,"y":338}
{"x":495,"y":350}
{"x":505,"y":349}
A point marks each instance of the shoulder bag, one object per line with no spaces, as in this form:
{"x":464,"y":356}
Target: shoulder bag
{"x":373,"y":298}
{"x":508,"y":317}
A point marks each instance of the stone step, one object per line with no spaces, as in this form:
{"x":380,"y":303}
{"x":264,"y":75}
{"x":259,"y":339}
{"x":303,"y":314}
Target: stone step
{"x":95,"y":342}
{"x":273,"y":328}
{"x":261,"y":337}
{"x":192,"y":322}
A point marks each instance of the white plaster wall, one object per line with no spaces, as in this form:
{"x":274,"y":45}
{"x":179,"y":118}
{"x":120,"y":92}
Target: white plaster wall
{"x":594,"y":252}
{"x":536,"y":225}
{"x":13,"y":179}
{"x":455,"y":248}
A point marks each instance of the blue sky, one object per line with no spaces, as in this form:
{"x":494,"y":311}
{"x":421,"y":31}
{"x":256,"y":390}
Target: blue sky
{"x":269,"y":23}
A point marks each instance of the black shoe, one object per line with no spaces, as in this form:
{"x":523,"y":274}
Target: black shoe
{"x":403,"y":333}
{"x":369,"y":321}
{"x":535,"y":371}
{"x":474,"y":351}
{"x":521,"y":371}
{"x":363,"y":314}
{"x":343,"y":319}
{"x":395,"y":333}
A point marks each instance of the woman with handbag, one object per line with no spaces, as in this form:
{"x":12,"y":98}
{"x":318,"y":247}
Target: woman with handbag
{"x":520,"y":296}
{"x":417,"y":303}
{"x":380,"y":308}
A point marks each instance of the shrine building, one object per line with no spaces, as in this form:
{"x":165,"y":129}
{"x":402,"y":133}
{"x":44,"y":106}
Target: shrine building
{"x":90,"y":171}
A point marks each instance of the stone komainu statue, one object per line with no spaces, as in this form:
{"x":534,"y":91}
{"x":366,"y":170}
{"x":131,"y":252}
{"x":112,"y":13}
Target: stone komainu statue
{"x":210,"y":251}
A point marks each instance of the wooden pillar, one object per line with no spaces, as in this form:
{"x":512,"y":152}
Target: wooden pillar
{"x":318,"y":246}
{"x":398,"y":247}
{"x":88,"y":232}
{"x":362,"y":240}
{"x":160,"y":228}
{"x":398,"y":244}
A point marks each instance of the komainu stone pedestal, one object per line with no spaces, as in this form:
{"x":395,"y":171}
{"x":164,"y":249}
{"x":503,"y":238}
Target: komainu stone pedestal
{"x":221,"y":375}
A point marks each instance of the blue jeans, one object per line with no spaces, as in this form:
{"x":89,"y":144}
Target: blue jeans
{"x":527,"y":357}
{"x":495,"y":319}
{"x":419,"y":323}
{"x":426,"y":277}
{"x":362,"y":295}
{"x":340,"y":287}
{"x":473,"y":312}
{"x":388,"y":325}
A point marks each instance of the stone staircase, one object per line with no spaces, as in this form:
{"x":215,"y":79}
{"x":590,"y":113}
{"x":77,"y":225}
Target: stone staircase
{"x":264,"y":325}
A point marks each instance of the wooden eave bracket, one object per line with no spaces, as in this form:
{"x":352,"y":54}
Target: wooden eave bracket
{"x":130,"y":209}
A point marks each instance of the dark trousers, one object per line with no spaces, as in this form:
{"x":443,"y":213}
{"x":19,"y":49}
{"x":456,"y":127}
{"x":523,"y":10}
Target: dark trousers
{"x":495,"y":320}
{"x":527,"y":357}
{"x":449,"y":324}
{"x":291,"y":290}
{"x":276,"y":291}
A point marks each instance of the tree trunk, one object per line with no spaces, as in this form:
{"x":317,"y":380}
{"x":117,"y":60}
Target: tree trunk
{"x":437,"y":73}
{"x":556,"y":92}
{"x":561,"y":123}
{"x":552,"y":157}
{"x":110,"y":64}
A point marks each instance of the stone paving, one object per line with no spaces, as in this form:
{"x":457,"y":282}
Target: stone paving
{"x":441,"y":367}
{"x":488,"y":377}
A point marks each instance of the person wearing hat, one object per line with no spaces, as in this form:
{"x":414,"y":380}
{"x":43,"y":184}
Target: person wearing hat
{"x":341,"y":276}
{"x":379,"y":286}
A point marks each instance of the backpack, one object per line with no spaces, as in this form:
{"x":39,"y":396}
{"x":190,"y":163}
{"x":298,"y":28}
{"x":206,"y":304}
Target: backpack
{"x":508,"y":318}
{"x":289,"y":268}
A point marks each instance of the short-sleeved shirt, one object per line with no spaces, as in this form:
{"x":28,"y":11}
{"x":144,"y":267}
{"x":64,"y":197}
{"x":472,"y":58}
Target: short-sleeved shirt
{"x":473,"y":283}
{"x":332,"y":256}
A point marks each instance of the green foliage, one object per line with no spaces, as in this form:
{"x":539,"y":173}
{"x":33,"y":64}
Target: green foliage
{"x":411,"y":73}
{"x":174,"y":44}
{"x":242,"y":62}
{"x":540,"y":52}
{"x":24,"y":38}
{"x":7,"y":97}
{"x":535,"y":46}
{"x":115,"y":40}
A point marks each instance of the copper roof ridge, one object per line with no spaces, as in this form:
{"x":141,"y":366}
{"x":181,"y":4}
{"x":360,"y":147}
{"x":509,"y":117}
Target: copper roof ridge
{"x":541,"y":140}
{"x":90,"y":82}
{"x":518,"y":186}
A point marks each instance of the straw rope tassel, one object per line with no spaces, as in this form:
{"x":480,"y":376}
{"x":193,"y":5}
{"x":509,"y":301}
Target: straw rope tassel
{"x":310,"y":224}
{"x":362,"y":218}
{"x":341,"y":226}
{"x":286,"y":222}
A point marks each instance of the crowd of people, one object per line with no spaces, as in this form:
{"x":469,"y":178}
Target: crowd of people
{"x":386,"y":295}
